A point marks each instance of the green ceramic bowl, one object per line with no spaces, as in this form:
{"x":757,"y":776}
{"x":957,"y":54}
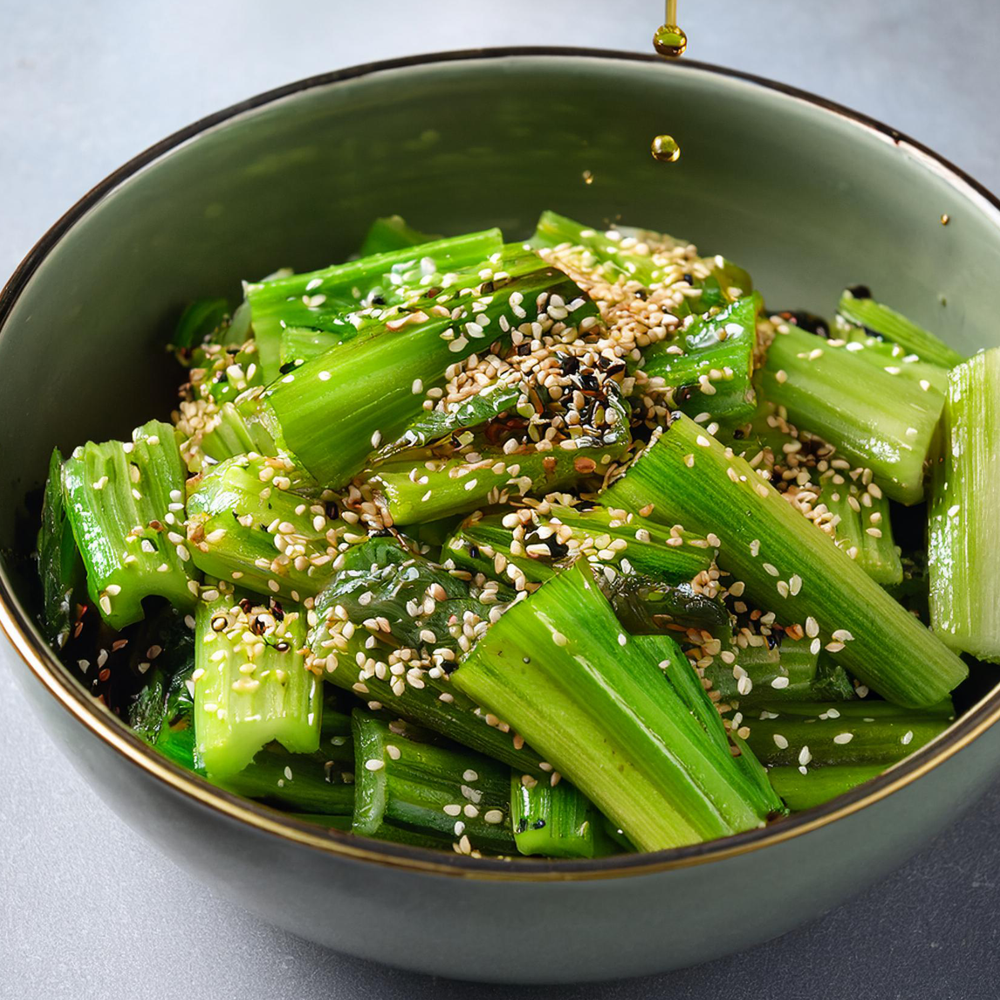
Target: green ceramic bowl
{"x":809,"y":196}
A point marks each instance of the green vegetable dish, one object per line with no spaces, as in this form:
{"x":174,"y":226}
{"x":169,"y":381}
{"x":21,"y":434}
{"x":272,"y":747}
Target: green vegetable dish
{"x":562,"y":548}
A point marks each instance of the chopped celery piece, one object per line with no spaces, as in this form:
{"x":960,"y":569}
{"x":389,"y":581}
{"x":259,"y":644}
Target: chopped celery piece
{"x":412,"y":491}
{"x":636,"y":255}
{"x":318,"y":782}
{"x":163,"y":715}
{"x":597,"y":252}
{"x":790,"y":671}
{"x":560,"y":668}
{"x":247,"y":526}
{"x":873,"y":418}
{"x":964,"y":533}
{"x":550,"y":536}
{"x":788,"y":567}
{"x":228,"y":435}
{"x":821,"y":734}
{"x":391,"y":233}
{"x":125,"y":503}
{"x":391,"y":625}
{"x":858,"y":306}
{"x":863,"y":529}
{"x":322,"y":299}
{"x":684,"y":679}
{"x":556,"y":821}
{"x":59,"y":565}
{"x":336,"y":409}
{"x":713,"y":374}
{"x":449,"y":796}
{"x":889,"y":356}
{"x":199,"y":321}
{"x":251,"y":683}
{"x":359,"y":294}
{"x":819,"y":784}
{"x":215,"y":433}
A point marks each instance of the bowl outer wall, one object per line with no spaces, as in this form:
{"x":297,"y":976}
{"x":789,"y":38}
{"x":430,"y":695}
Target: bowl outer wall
{"x":809,"y":200}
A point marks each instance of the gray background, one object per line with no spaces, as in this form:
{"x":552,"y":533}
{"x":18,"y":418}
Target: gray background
{"x":86,"y":910}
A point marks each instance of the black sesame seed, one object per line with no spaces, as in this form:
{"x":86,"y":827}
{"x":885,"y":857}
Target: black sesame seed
{"x":538,"y":824}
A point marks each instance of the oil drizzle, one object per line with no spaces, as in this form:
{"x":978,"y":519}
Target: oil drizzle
{"x":665,"y":149}
{"x":669,"y":39}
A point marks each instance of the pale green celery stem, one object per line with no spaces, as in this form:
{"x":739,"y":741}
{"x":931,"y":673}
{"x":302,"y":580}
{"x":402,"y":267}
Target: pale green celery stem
{"x":238,"y":711}
{"x":874,"y":419}
{"x":869,"y":542}
{"x":595,"y":705}
{"x":964,"y":538}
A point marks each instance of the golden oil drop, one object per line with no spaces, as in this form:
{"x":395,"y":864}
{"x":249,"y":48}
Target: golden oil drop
{"x":588,"y":177}
{"x":669,"y":39}
{"x":665,"y":149}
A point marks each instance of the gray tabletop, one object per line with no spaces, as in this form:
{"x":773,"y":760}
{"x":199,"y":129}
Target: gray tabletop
{"x":89,"y":911}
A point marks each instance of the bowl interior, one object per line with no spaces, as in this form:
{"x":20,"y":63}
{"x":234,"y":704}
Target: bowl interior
{"x":809,"y":200}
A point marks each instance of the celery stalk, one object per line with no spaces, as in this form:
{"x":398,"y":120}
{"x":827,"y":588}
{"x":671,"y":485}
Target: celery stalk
{"x":558,"y":666}
{"x":964,"y":530}
{"x":857,"y":305}
{"x":556,"y":821}
{"x":251,"y":683}
{"x":873,"y":418}
{"x":820,"y":784}
{"x":125,"y":503}
{"x":406,"y":787}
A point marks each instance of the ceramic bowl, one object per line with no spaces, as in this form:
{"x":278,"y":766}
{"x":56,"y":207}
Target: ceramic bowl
{"x":807,"y":195}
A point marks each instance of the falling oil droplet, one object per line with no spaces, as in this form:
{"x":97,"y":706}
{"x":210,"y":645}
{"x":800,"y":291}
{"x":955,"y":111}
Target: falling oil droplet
{"x":665,"y":149}
{"x":670,"y":41}
{"x":588,"y":177}
{"x":945,"y":219}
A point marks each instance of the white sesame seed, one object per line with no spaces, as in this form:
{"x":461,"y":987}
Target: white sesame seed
{"x":842,"y":738}
{"x":780,"y":742}
{"x":374,"y":765}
